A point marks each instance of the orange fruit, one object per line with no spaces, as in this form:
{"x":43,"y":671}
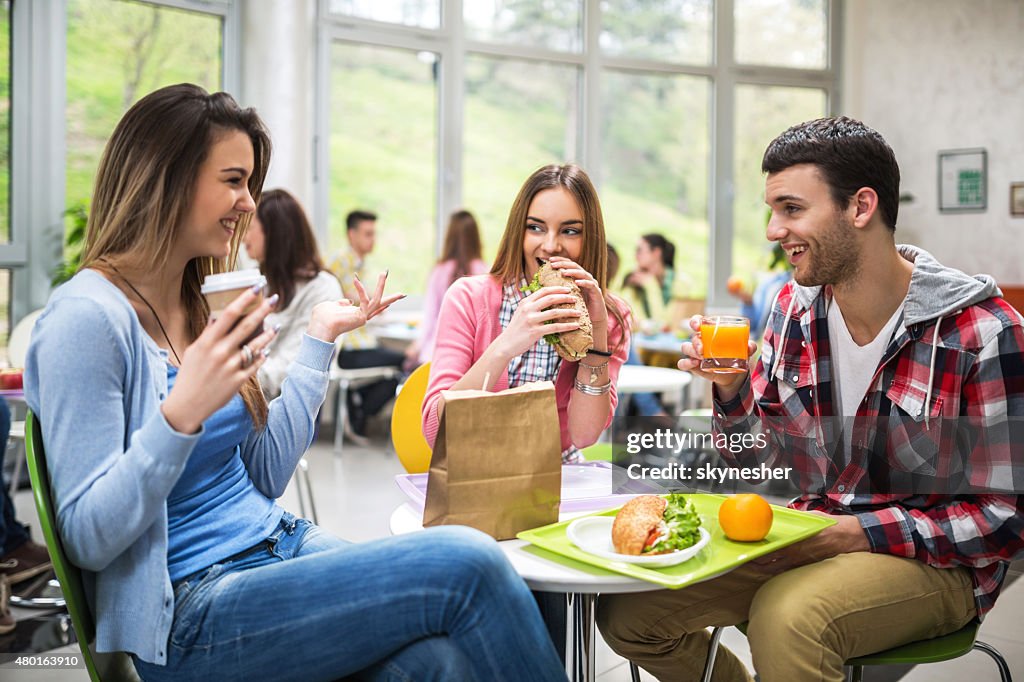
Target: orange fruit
{"x":734,"y":284}
{"x":746,"y":517}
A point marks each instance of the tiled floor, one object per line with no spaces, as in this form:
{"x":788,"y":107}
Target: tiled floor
{"x":356,"y":494}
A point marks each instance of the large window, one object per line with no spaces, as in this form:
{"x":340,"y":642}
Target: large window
{"x":68,"y":71}
{"x":117,"y":52}
{"x":656,"y":165}
{"x":762,"y":112}
{"x":668,"y":104}
{"x":676,"y":31}
{"x":424,"y":13}
{"x":383,"y":152}
{"x":534,"y":106}
{"x":551,"y":24}
{"x":5,"y":167}
{"x":782,"y":33}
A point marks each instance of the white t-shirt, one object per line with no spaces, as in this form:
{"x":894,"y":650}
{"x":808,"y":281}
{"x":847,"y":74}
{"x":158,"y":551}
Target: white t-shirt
{"x":853,"y":366}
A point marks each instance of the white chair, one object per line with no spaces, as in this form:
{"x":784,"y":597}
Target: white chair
{"x":304,"y":489}
{"x":348,"y":379}
{"x":17,"y":342}
{"x":17,"y":349}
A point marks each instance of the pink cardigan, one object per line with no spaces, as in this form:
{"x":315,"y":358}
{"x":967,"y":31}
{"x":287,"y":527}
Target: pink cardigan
{"x":467,"y":325}
{"x":437,"y":284}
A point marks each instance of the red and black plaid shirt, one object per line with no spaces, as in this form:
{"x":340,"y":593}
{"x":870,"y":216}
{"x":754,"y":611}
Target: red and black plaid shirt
{"x":974,"y":374}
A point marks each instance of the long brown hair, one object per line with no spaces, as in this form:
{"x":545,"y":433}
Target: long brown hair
{"x":461,"y":243}
{"x":146,"y":183}
{"x":290,"y":254}
{"x":508,"y":264}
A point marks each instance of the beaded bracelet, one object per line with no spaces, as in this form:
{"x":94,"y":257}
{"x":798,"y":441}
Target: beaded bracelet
{"x":586,"y":389}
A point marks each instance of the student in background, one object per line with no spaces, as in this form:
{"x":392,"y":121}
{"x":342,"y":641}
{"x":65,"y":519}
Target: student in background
{"x":461,"y":257}
{"x":654,"y":283}
{"x":282,"y":242}
{"x":649,"y":290}
{"x":360,"y":349}
{"x":613,"y":262}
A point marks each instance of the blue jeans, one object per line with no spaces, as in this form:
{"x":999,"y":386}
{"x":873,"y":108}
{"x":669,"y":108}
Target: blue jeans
{"x":443,"y":604}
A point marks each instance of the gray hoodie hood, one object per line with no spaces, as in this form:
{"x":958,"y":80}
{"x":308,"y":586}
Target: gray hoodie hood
{"x":935,"y":290}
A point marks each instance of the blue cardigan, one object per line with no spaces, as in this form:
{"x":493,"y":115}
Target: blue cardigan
{"x":96,"y":380}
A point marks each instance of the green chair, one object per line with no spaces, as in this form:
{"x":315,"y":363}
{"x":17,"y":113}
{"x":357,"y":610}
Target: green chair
{"x":102,"y":667}
{"x":934,"y":650}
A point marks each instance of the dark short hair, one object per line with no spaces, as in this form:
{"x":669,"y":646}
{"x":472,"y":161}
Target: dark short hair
{"x":353,"y":219}
{"x":849,"y":154}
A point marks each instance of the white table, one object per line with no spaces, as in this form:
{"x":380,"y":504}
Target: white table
{"x":659,"y":343}
{"x":399,"y":334}
{"x":644,"y":379}
{"x":580,"y":585}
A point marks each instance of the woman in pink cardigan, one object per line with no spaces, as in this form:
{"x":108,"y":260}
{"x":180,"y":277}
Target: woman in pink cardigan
{"x":460,"y":257}
{"x":490,"y":330}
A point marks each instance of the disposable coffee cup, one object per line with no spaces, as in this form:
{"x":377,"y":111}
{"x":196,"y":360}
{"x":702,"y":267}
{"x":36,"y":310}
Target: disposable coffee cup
{"x":223,"y":288}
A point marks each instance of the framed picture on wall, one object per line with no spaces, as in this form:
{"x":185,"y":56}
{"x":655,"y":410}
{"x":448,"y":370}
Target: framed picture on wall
{"x":963,"y":180}
{"x":1017,"y":199}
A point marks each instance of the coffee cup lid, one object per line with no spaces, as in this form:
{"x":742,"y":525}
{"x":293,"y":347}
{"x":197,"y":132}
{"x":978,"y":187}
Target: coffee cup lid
{"x":239,"y":279}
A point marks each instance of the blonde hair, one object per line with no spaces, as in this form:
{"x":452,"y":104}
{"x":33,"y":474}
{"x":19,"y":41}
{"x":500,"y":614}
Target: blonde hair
{"x":146,"y":183}
{"x":509,"y":265}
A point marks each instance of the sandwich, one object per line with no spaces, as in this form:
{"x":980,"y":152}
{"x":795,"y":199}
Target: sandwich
{"x":650,"y":524}
{"x":571,"y":345}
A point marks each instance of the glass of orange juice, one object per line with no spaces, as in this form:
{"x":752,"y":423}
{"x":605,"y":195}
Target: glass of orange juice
{"x":725,"y":339}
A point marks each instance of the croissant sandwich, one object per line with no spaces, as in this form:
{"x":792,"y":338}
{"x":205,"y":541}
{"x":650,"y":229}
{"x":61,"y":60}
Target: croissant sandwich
{"x":650,"y":524}
{"x":571,"y":345}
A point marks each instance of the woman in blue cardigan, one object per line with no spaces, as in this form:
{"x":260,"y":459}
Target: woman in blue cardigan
{"x":166,"y":460}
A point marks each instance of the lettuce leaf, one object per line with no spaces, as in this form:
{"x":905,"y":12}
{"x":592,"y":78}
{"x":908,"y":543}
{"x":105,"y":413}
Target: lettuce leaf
{"x":683,"y":523}
{"x":550,"y":339}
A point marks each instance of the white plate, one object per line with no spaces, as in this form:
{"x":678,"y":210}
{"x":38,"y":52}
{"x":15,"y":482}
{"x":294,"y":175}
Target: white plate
{"x":593,"y":534}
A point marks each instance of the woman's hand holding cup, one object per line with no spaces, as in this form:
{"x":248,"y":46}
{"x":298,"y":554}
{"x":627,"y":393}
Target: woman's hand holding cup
{"x":214,"y":367}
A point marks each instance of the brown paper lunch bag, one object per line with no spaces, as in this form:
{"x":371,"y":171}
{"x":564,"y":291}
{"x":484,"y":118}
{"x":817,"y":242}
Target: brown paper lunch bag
{"x":497,"y":461}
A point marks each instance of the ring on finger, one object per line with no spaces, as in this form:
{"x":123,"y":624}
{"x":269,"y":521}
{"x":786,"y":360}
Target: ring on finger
{"x":247,"y":356}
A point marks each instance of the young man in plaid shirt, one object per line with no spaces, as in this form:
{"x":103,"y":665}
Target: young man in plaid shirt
{"x":882,"y":333}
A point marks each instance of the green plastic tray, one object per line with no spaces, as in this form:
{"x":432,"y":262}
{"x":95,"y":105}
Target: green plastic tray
{"x":721,"y":555}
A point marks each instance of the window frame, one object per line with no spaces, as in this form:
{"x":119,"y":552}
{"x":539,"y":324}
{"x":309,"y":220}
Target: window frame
{"x":450,"y":41}
{"x":38,"y":150}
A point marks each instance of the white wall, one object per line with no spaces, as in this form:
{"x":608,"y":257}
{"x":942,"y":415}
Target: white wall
{"x":931,"y":75}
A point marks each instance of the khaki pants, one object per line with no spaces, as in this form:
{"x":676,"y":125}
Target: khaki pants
{"x":802,"y":623}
